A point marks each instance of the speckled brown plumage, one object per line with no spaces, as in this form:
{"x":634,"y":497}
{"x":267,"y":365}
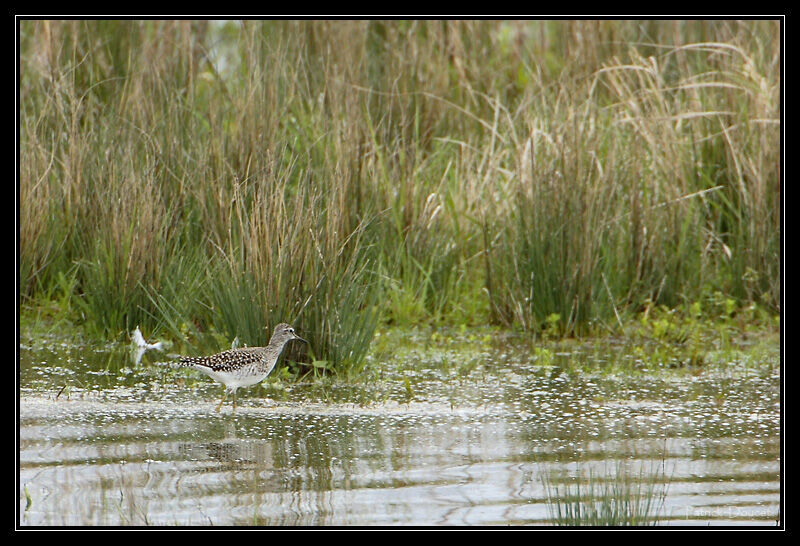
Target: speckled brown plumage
{"x":243,"y":367}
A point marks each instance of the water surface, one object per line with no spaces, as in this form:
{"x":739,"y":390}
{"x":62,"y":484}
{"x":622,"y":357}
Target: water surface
{"x":436,"y":437}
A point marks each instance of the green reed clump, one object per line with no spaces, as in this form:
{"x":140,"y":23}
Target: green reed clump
{"x":627,"y":183}
{"x":94,"y":161}
{"x":311,"y":269}
{"x":621,"y":498}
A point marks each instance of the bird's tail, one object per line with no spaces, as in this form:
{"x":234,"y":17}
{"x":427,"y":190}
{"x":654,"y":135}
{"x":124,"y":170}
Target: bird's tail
{"x":177,"y":361}
{"x":191,"y":361}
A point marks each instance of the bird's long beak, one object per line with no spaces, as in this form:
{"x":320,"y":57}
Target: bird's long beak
{"x":300,"y":339}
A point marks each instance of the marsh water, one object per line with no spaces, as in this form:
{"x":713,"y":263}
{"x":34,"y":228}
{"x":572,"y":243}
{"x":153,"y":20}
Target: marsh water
{"x":439,"y":435}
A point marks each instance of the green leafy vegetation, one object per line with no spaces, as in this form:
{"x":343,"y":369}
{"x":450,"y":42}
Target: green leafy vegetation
{"x":205,"y":179}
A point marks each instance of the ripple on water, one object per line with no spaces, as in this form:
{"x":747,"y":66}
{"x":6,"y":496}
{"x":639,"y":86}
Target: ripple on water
{"x":104,"y":442}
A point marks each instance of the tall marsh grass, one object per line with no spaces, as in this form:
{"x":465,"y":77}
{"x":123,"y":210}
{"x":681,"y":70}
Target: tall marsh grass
{"x":209,"y":176}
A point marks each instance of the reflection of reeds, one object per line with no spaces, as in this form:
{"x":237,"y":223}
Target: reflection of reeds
{"x":466,"y":171}
{"x":617,"y":498}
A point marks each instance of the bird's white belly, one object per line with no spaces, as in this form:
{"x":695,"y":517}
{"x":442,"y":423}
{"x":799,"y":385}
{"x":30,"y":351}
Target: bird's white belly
{"x":233,"y":380}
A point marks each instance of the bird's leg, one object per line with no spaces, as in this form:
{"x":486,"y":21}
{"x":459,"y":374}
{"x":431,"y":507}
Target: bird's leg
{"x":224,"y":395}
{"x":234,"y":400}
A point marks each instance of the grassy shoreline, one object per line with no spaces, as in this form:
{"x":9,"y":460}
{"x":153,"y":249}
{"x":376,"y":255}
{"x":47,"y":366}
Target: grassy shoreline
{"x":661,"y":343}
{"x":203,"y":179}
